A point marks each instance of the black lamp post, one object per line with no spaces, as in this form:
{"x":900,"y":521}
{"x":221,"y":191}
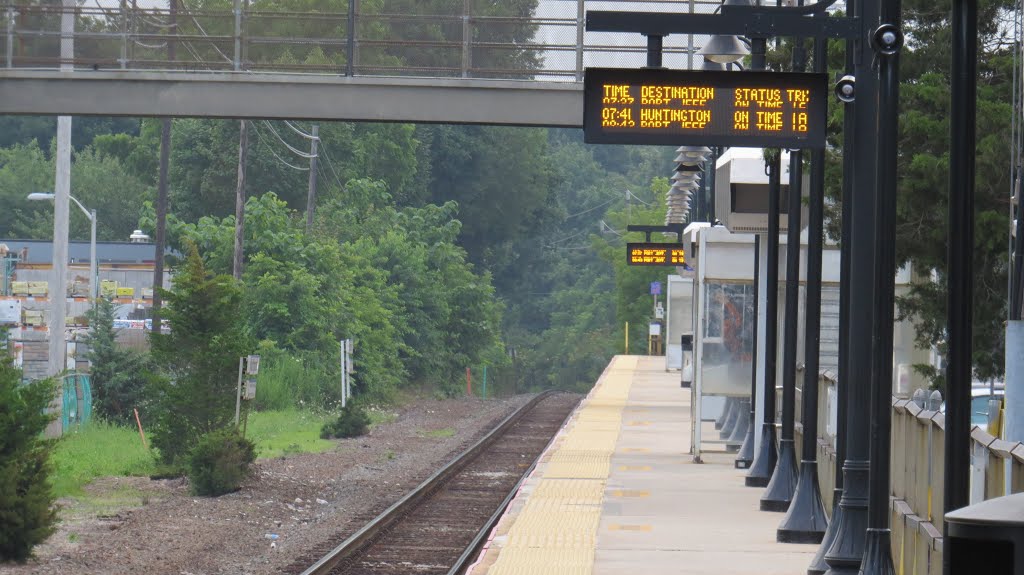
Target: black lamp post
{"x":805,"y":520}
{"x":765,"y":459}
{"x":848,"y":548}
{"x":886,"y":41}
{"x":960,"y":275}
{"x":818,"y":565}
{"x":766,"y":454}
{"x":783,"y":482}
{"x":746,"y":454}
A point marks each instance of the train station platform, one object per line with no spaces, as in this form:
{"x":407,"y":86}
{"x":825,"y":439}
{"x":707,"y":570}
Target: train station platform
{"x":618,"y":492}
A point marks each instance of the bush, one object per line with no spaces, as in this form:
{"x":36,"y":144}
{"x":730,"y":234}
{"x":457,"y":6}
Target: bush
{"x":27,"y":515}
{"x":352,"y":422}
{"x":220,"y":462}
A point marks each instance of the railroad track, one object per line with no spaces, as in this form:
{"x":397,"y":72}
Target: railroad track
{"x":437,"y":527}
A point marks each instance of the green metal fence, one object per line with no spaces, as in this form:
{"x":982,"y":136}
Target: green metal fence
{"x":77,"y":400}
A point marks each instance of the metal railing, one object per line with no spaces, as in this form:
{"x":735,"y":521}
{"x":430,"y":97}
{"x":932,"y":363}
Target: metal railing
{"x":548,"y":42}
{"x":917,"y":464}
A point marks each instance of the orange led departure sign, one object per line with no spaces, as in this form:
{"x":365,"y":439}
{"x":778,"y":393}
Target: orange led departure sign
{"x":648,"y":254}
{"x":674,"y":107}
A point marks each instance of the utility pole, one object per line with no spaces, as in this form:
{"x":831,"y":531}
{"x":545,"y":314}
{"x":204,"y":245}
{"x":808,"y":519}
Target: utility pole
{"x":61,"y":213}
{"x":161,"y":194}
{"x":311,"y":198}
{"x":243,"y":149}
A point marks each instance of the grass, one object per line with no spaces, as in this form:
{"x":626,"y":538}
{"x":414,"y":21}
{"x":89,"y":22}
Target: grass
{"x":278,"y":433}
{"x":101,"y":450}
{"x":439,"y":433}
{"x":378,"y":417}
{"x":98,"y":450}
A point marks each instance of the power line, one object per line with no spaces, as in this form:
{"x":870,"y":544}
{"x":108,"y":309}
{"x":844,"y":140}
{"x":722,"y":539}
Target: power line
{"x":591,"y":209}
{"x":300,"y":132}
{"x":609,"y":228}
{"x":279,"y":158}
{"x":330,"y":164}
{"x":634,"y":196}
{"x":294,"y":150}
{"x":566,"y":238}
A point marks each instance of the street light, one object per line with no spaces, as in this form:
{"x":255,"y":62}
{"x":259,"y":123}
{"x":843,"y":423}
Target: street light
{"x":723,"y":49}
{"x":91,"y":214}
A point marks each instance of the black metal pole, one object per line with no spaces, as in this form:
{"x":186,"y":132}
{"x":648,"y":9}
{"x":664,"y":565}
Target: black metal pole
{"x":805,"y":521}
{"x":766,"y":455}
{"x":654,"y":44}
{"x":887,"y":43}
{"x":818,"y":565}
{"x":783,"y":483}
{"x":846,"y":552}
{"x":350,"y":63}
{"x":960,"y":274}
{"x":746,"y":454}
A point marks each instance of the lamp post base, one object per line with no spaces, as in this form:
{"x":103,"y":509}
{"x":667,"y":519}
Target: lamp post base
{"x":739,"y":429}
{"x":731,"y":421}
{"x":726,"y":412}
{"x":848,"y":547}
{"x":783,"y":482}
{"x":818,"y":565}
{"x":764,"y":462}
{"x":805,"y":521}
{"x":746,"y":454}
{"x":878,"y":553}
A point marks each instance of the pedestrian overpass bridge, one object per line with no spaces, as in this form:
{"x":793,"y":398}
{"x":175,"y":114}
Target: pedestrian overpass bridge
{"x":495,"y":64}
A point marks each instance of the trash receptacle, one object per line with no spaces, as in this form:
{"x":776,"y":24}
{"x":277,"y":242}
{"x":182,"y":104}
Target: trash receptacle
{"x":686,"y":342}
{"x":987,"y":537}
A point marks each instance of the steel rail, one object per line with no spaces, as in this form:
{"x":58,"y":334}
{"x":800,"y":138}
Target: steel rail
{"x":463,"y":562}
{"x":366,"y":534}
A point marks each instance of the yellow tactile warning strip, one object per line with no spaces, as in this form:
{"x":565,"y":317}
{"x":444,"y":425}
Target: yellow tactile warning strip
{"x":555,"y":529}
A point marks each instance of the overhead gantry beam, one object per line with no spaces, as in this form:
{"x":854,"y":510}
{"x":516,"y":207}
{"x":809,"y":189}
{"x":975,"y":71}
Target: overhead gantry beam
{"x":292,"y":97}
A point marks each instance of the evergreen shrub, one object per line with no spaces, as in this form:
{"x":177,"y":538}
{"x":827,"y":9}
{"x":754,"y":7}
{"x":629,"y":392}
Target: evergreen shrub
{"x":352,"y":422}
{"x":220,"y":462}
{"x":27,"y":513}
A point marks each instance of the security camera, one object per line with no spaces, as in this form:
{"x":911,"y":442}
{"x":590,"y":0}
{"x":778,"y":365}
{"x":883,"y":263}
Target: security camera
{"x":846,"y":89}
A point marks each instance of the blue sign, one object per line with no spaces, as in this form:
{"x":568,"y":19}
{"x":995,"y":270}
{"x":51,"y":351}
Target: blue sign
{"x":655,"y":288}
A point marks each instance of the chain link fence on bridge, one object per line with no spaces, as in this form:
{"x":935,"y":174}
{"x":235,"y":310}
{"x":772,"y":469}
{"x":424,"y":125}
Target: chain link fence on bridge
{"x":445,"y":39}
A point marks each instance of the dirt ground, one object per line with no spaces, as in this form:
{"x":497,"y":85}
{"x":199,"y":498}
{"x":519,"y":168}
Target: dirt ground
{"x":289,"y":509}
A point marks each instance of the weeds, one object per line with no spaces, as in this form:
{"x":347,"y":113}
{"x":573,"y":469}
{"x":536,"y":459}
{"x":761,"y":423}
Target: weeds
{"x":439,"y":433}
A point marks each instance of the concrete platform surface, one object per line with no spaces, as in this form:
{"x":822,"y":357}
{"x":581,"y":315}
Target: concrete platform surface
{"x":617,"y":492}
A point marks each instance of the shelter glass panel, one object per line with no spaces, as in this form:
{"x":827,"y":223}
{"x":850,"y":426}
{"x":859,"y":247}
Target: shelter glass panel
{"x":728,"y":339}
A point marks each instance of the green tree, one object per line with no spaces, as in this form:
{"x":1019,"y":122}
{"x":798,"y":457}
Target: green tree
{"x":200,"y":357}
{"x":118,"y":375}
{"x":27,"y":514}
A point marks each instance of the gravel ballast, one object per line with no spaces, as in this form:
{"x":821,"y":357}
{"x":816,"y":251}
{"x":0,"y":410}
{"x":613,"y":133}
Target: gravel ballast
{"x":289,"y":507}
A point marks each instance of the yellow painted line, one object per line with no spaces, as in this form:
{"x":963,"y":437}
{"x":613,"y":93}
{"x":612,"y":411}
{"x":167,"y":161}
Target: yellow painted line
{"x":630,"y":493}
{"x":639,"y":423}
{"x":556,"y":531}
{"x":614,"y":527}
{"x":635,"y":450}
{"x":634,"y":468}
